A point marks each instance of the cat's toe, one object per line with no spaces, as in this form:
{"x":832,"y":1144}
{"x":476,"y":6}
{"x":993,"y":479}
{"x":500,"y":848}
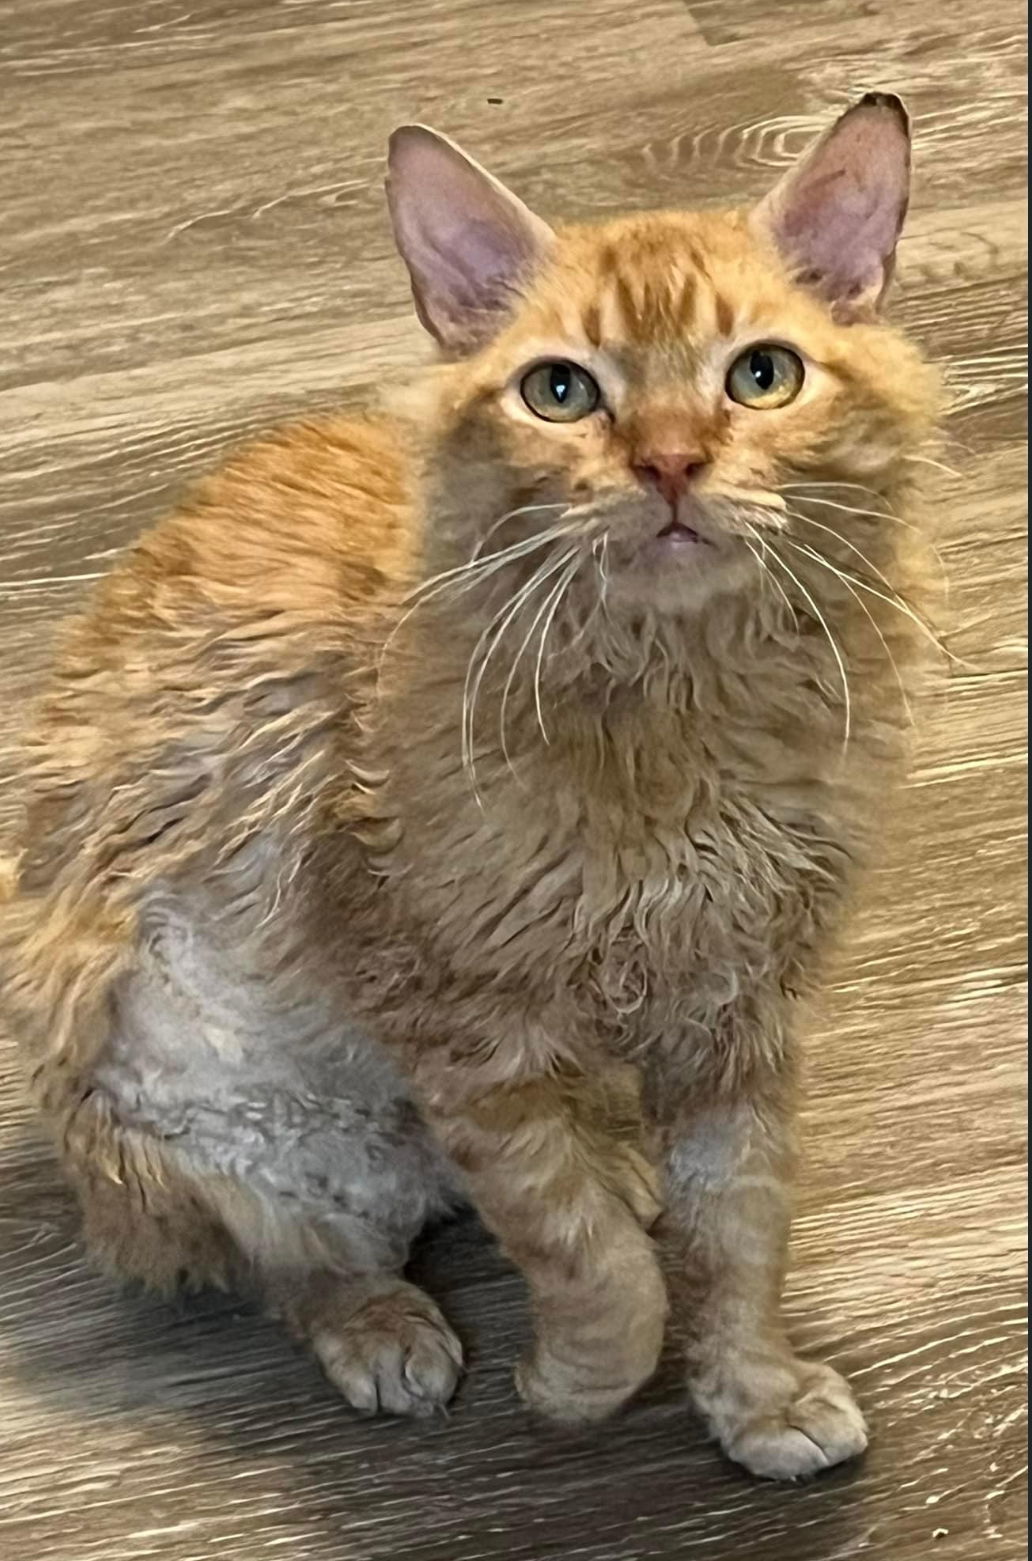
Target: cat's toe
{"x":395,"y":1355}
{"x":810,"y":1428}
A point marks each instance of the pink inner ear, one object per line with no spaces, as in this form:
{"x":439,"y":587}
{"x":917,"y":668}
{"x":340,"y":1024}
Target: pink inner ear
{"x":468,"y":243}
{"x":843,"y":230}
{"x":838,"y":214}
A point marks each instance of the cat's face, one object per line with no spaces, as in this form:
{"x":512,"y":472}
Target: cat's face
{"x":664,"y":393}
{"x":663,"y":381}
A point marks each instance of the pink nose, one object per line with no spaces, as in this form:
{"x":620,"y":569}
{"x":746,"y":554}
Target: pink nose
{"x":670,"y":473}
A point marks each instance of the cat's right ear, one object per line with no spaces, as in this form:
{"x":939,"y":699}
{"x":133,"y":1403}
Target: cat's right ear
{"x":836,"y":216}
{"x":469,"y":244}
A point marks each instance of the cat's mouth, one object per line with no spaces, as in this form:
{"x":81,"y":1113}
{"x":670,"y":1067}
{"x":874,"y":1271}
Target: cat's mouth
{"x":680,"y":533}
{"x":676,"y":533}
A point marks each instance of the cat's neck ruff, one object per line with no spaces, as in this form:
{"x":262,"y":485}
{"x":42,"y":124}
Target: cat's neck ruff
{"x":744,"y":694}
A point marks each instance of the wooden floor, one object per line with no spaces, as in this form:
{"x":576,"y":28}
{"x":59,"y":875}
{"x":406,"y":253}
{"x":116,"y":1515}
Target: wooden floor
{"x":192,"y":245}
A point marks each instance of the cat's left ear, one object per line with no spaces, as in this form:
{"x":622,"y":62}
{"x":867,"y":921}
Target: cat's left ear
{"x":468,"y":242}
{"x":836,"y":216}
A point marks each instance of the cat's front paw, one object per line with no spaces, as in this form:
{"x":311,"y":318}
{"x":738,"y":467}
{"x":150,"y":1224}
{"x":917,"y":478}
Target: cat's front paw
{"x":785,"y":1419}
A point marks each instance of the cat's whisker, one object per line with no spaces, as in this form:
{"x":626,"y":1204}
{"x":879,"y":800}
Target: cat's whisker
{"x":599,"y":545}
{"x":475,"y":678}
{"x":507,"y":611}
{"x":833,"y":643}
{"x":960,"y":444}
{"x":764,"y":553}
{"x":849,"y":509}
{"x":926,"y":460}
{"x":895,"y":600}
{"x":765,"y":501}
{"x":600,"y":559}
{"x":875,"y":625}
{"x":507,"y":690}
{"x":807,"y":520}
{"x":564,"y":583}
{"x":526,"y":509}
{"x":880,"y":515}
{"x":464,"y":576}
{"x":589,"y":619}
{"x":768,"y":575}
{"x":833,"y":482}
{"x":477,"y":564}
{"x":600,"y":553}
{"x":761,"y":568}
{"x":829,"y":482}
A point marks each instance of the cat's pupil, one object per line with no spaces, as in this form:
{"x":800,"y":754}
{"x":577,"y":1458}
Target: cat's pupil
{"x":761,"y":367}
{"x":559,"y":383}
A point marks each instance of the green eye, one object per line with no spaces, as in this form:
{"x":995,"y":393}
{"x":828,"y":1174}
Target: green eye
{"x":765,"y":377}
{"x":560,"y":392}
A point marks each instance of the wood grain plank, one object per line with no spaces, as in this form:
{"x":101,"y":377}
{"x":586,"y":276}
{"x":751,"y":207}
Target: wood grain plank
{"x":193,"y":246}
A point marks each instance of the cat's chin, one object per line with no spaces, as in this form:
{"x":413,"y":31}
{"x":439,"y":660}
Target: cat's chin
{"x":679,"y":570}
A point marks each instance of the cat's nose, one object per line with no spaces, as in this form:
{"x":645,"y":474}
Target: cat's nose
{"x":669,"y":472}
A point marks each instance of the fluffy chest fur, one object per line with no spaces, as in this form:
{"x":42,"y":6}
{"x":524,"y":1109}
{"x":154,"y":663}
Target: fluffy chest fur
{"x":635,"y":876}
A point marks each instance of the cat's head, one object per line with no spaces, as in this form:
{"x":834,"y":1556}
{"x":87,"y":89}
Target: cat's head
{"x":664,"y":394}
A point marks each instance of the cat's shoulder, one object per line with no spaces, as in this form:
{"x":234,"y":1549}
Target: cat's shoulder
{"x":309,"y":518}
{"x":281,"y":555}
{"x":336,"y":487}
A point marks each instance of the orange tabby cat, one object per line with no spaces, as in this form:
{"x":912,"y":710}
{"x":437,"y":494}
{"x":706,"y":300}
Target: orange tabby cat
{"x":427,"y":776}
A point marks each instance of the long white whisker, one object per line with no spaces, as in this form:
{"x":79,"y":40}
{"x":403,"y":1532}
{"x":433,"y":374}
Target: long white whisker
{"x":564,"y":584}
{"x":857,"y":487}
{"x":762,"y":570}
{"x":506,"y":691}
{"x":506,"y":612}
{"x":598,"y":603}
{"x":848,"y":509}
{"x":600,"y":553}
{"x":526,"y":509}
{"x":602,"y":564}
{"x":836,"y":652}
{"x":845,"y":580}
{"x":896,"y":601}
{"x":464,"y":576}
{"x":851,"y":509}
{"x":478,"y":565}
{"x":807,"y":521}
{"x":472,"y":685}
{"x":768,"y":574}
{"x":926,"y":460}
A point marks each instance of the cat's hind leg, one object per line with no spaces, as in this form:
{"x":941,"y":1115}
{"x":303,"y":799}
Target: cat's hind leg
{"x":335,"y":1279}
{"x":247,"y":1143}
{"x":337,"y":1283}
{"x":382,"y":1342}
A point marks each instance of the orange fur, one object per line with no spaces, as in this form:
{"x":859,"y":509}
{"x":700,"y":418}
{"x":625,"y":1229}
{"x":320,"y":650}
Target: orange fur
{"x":286,"y":721}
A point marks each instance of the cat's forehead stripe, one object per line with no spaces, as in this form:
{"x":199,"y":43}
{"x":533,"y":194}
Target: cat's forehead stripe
{"x":661,"y":282}
{"x":667,"y":298}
